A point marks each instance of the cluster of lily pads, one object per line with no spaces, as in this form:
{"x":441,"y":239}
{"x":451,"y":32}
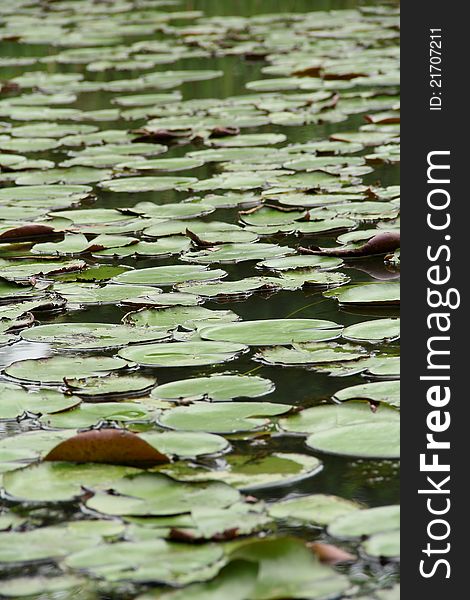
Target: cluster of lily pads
{"x":142,"y":456}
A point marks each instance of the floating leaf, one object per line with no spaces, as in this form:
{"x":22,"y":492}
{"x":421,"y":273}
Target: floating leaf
{"x":60,"y":482}
{"x":383,"y":545}
{"x":222,"y":417}
{"x":17,"y":401}
{"x":380,"y":294}
{"x":111,"y":385}
{"x":181,"y":354}
{"x":57,"y":368}
{"x":107,"y":446}
{"x":377,"y":331}
{"x":316,"y":353}
{"x":88,"y":336}
{"x":234,"y":253}
{"x":144,"y":184}
{"x":189,"y":317}
{"x":87,"y":415}
{"x":317,"y":509}
{"x":271,"y":332}
{"x":301,"y":262}
{"x":248,"y":139}
{"x":169,"y":275}
{"x":381,"y":391}
{"x":253,"y":473}
{"x":358,"y":524}
{"x":155,"y":494}
{"x":216,"y":388}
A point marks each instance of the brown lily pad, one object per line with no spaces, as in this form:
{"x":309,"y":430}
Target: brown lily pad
{"x":107,"y":446}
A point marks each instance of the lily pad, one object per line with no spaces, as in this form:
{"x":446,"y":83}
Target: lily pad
{"x":87,"y":415}
{"x":146,"y":561}
{"x":54,"y":369}
{"x":145,"y":184}
{"x":249,"y":139}
{"x":316,"y":353}
{"x":317,"y":509}
{"x":60,"y":482}
{"x":181,"y":354}
{"x":253,"y":473}
{"x":17,"y":401}
{"x":111,"y":385}
{"x":216,"y":388}
{"x":379,"y":294}
{"x":377,"y":331}
{"x":235,"y":253}
{"x":189,"y":317}
{"x":383,"y":545}
{"x":155,"y":494}
{"x":222,"y":417}
{"x":358,"y":524}
{"x":272,"y":332}
{"x":381,"y":391}
{"x":89,"y":336}
{"x":301,"y":262}
{"x":169,"y":275}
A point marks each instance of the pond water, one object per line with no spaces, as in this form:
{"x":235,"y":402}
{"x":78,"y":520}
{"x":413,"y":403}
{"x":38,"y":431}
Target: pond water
{"x":357,"y":476}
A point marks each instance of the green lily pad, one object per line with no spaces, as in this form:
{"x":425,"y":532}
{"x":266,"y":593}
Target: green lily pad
{"x":301,"y":262}
{"x":181,"y":354}
{"x":235,"y":581}
{"x":287,"y":568}
{"x":165,"y":247}
{"x":72,"y":175}
{"x":248,"y":139}
{"x":155,"y":494}
{"x":111,"y":385}
{"x":380,"y":294}
{"x":56,"y":368}
{"x":17,"y":401}
{"x":358,"y":524}
{"x":222,"y":417}
{"x":330,"y":416}
{"x":60,"y":481}
{"x":229,"y":288}
{"x":351,"y":429}
{"x":184,"y":210}
{"x":251,"y":473}
{"x":186,"y":444}
{"x":144,"y":184}
{"x":216,"y":388}
{"x":89,"y":336}
{"x":234,"y":253}
{"x":190,"y":317}
{"x":29,"y":446}
{"x":316,"y":353}
{"x":44,"y":543}
{"x":25,"y":271}
{"x":369,"y":440}
{"x":317,"y":509}
{"x":383,"y":545}
{"x":92,"y":294}
{"x":30,"y":586}
{"x":377,"y":331}
{"x":87,"y":415}
{"x":380,"y":391}
{"x":272,"y":332}
{"x":50,"y":130}
{"x":146,"y":561}
{"x":169,"y":275}
{"x":161,"y":164}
